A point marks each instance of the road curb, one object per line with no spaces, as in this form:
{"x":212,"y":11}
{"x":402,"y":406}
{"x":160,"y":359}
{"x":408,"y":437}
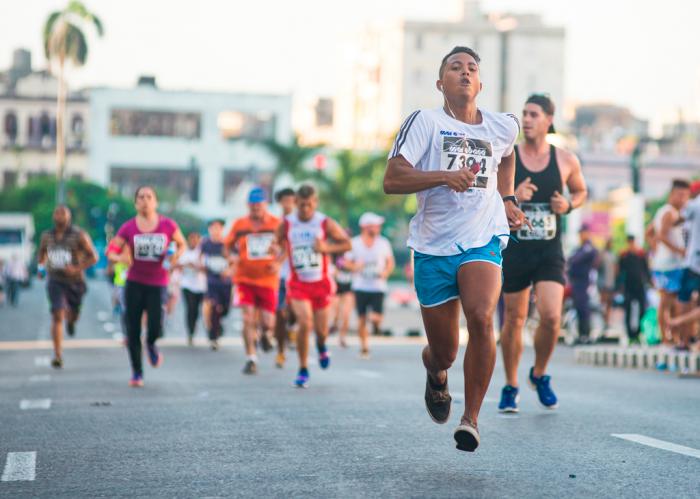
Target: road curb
{"x":638,"y":358}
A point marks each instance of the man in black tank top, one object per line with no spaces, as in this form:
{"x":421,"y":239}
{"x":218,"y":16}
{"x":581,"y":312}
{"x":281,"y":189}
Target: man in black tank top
{"x":64,"y":253}
{"x":537,"y":258}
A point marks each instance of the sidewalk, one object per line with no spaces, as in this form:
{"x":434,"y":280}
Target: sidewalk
{"x":639,"y":358}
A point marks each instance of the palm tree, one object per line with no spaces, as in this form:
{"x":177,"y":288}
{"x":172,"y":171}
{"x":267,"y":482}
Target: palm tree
{"x":290,"y":157}
{"x":64,"y":41}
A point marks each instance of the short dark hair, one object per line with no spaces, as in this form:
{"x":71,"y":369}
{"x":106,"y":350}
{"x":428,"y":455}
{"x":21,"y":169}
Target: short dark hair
{"x":219,"y":221}
{"x":630,"y":238}
{"x":283,"y":193}
{"x":458,"y":50}
{"x":679,"y":183}
{"x":306,"y":191}
{"x":141,"y":187}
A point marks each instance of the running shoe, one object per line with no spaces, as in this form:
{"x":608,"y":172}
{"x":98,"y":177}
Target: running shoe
{"x":438,"y":401}
{"x":343,"y":343}
{"x":265,"y":342}
{"x":279,"y":360}
{"x":302,"y":379}
{"x":70,"y":328}
{"x":467,"y":436}
{"x":154,"y":356}
{"x":364,"y":354}
{"x":136,"y":381}
{"x":545,"y":394}
{"x":214,"y":345}
{"x":324,"y":357}
{"x":57,"y":362}
{"x":509,"y":399}
{"x":250,"y":367}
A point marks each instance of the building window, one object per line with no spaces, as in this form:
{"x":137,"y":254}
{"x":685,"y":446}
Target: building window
{"x":419,"y":42}
{"x":177,"y":185}
{"x":77,"y":132}
{"x":240,"y":125}
{"x":9,"y":179}
{"x":140,"y":123}
{"x":10,"y":128}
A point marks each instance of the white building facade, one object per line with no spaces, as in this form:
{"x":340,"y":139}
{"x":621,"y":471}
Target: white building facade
{"x":393,"y":72}
{"x":197,"y":149}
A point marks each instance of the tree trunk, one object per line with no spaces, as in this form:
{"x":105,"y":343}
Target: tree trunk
{"x":60,"y":136}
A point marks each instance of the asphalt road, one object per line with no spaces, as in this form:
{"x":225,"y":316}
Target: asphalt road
{"x":201,"y":429}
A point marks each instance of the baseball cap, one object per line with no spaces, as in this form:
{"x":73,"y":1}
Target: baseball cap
{"x":695,"y":187}
{"x":370,"y":218}
{"x":257,"y":195}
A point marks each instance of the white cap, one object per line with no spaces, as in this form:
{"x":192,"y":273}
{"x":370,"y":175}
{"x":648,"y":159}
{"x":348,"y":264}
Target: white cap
{"x":370,"y":218}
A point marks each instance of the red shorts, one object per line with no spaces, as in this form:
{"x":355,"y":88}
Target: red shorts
{"x":318,"y":293}
{"x":256,"y":296}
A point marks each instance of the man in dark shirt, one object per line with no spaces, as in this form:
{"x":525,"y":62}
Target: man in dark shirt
{"x":633,"y":276}
{"x":581,"y":263}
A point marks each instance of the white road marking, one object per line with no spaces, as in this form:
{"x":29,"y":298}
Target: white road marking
{"x":368,"y":374}
{"x":43,"y":361}
{"x":20,"y":466}
{"x":658,"y":444}
{"x":40,"y":378}
{"x":35,"y":404}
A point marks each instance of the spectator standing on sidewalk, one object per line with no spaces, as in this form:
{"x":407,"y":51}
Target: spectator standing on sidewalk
{"x":634,"y":278}
{"x":581,"y":263}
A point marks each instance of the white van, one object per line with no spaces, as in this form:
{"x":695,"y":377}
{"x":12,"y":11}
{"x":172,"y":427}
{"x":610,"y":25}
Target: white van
{"x":17,"y":236}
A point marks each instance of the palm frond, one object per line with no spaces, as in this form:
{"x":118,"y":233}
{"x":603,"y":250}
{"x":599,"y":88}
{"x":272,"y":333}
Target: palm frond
{"x":48,"y":31}
{"x":76,"y":45}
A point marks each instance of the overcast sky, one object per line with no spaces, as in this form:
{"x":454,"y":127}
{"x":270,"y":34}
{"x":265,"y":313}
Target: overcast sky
{"x":641,"y":54}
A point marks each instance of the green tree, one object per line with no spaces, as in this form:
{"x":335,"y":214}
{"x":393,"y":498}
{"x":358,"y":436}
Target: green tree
{"x":98,"y":210}
{"x":64,"y":41}
{"x":290,"y":158}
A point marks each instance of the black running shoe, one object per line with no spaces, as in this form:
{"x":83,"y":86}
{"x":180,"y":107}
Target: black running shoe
{"x":438,"y":401}
{"x":70,"y":328}
{"x":265,"y":342}
{"x":250,"y":368}
{"x":57,"y":363}
{"x":467,"y":436}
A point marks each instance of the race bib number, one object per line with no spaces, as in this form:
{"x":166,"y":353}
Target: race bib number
{"x":216,"y":264}
{"x":304,"y":258}
{"x":370,"y":270}
{"x":258,"y":246}
{"x":149,"y":247}
{"x":544,"y":222}
{"x":59,"y":258}
{"x":475,"y":154}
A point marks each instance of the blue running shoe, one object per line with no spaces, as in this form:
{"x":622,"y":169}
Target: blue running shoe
{"x":302,"y":378}
{"x":548,"y":399}
{"x":509,"y":399}
{"x":136,"y":381}
{"x":324,"y":357}
{"x":154,"y":356}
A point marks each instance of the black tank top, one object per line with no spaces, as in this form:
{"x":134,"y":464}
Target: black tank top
{"x":546,"y":224}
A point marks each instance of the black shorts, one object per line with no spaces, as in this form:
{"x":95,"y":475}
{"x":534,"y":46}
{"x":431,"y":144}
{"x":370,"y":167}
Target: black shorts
{"x":219,"y":293}
{"x":524,"y":266}
{"x":65,"y":295}
{"x":342,"y":287}
{"x":369,"y":299}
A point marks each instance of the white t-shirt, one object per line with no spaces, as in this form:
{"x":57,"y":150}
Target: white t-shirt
{"x":373,"y":261}
{"x":664,"y":259}
{"x":448,"y":222}
{"x":692,"y":251}
{"x":192,"y":279}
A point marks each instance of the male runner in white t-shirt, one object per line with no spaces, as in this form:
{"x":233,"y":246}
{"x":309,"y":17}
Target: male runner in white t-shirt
{"x":458,"y":159}
{"x":371,"y":261}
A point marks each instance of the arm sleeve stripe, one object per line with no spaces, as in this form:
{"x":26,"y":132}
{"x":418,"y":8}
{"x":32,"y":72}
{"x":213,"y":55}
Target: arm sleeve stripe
{"x":401,"y":138}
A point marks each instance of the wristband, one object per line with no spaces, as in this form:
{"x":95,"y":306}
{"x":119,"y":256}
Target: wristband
{"x":513,"y":199}
{"x":571,"y":207}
